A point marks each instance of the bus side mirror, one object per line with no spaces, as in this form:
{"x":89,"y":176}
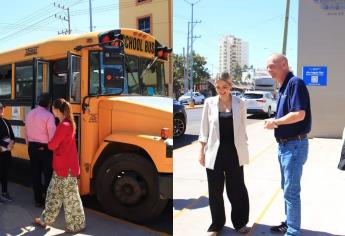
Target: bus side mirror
{"x":163,"y":53}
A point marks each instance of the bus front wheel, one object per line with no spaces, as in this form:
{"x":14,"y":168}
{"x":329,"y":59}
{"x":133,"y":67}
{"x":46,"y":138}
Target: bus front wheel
{"x":127,"y":187}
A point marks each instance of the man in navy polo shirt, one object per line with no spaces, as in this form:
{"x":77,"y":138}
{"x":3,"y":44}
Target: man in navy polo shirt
{"x":291,"y":125}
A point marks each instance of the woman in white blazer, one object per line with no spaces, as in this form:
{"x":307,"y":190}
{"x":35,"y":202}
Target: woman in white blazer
{"x":224,"y":151}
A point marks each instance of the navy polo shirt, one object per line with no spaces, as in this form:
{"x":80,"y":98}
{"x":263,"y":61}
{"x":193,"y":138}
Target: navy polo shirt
{"x":293,"y":96}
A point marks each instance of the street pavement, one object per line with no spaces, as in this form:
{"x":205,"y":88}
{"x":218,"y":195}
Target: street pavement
{"x":322,"y":188}
{"x":16,"y":218}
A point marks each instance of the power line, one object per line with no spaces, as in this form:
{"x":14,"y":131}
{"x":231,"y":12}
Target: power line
{"x":190,"y":38}
{"x":64,"y":18}
{"x":20,"y":31}
{"x":29,"y":23}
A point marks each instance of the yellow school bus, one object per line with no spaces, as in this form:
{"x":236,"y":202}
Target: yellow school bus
{"x":115,"y":83}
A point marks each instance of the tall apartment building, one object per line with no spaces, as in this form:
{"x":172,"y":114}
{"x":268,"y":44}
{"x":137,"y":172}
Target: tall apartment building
{"x":232,"y":51}
{"x":153,"y":17}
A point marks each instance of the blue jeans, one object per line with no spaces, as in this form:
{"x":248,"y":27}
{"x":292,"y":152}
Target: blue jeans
{"x":292,"y":155}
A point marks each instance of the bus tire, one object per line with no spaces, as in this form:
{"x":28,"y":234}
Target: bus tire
{"x":127,"y":187}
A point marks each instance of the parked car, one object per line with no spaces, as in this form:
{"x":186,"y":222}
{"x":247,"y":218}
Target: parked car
{"x":236,"y":93}
{"x":260,"y":102}
{"x":180,"y":119}
{"x":196,"y":97}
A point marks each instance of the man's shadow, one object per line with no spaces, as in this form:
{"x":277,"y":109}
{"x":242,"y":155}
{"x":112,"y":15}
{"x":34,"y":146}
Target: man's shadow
{"x":184,"y":140}
{"x":191,"y":203}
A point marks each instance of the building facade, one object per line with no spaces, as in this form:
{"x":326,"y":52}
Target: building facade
{"x":153,"y":17}
{"x":321,"y":57}
{"x":232,"y":51}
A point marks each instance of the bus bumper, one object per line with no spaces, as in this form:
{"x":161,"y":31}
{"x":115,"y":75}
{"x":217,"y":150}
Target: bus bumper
{"x":165,"y":186}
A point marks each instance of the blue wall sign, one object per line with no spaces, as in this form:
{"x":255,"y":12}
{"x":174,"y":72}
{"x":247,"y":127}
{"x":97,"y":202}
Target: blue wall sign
{"x":315,"y":75}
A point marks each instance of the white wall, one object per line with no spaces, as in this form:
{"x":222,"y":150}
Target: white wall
{"x":321,"y":42}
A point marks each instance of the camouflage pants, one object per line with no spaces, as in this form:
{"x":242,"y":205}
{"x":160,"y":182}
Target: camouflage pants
{"x":64,"y":190}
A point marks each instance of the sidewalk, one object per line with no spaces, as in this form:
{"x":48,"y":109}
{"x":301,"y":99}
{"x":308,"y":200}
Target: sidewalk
{"x":322,"y":193}
{"x":16,"y":219}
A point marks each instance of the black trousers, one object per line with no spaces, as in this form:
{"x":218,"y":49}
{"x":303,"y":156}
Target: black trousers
{"x":227,"y":168}
{"x":5,"y":161}
{"x":41,"y":163}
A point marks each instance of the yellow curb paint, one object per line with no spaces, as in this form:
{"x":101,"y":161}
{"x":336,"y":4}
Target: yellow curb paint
{"x":264,"y":211}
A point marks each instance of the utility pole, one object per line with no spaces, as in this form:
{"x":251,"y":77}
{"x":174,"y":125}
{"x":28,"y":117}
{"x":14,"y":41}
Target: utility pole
{"x":90,"y":13}
{"x":185,"y":72}
{"x":186,"y":65}
{"x":64,"y":18}
{"x":286,"y":26}
{"x":191,"y":38}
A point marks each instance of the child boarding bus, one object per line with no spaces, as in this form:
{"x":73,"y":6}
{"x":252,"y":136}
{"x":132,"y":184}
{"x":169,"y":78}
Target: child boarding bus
{"x":115,"y":83}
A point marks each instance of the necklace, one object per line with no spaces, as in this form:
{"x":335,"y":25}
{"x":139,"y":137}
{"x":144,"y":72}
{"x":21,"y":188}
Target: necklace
{"x":225,"y":106}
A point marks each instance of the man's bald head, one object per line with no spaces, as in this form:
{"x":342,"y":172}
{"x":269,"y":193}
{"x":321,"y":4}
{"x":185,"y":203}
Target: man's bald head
{"x":278,"y":67}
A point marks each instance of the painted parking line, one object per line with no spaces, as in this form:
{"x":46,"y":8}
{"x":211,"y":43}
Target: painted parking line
{"x":264,"y":211}
{"x":195,"y":201}
{"x":261,"y":152}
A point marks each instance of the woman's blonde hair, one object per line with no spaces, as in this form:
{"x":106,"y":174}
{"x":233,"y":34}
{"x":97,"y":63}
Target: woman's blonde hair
{"x":224,"y":76}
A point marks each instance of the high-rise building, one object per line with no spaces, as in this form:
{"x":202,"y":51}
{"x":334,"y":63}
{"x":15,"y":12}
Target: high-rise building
{"x":232,"y":51}
{"x":153,"y":17}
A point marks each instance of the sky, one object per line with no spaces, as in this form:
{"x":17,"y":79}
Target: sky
{"x":259,"y":22}
{"x":23,"y":22}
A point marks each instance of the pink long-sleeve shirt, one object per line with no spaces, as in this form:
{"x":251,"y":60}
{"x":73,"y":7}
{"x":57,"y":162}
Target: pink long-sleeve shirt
{"x":39,"y":125}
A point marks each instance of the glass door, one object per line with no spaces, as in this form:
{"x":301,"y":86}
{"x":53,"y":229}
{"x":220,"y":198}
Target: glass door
{"x":41,"y":79}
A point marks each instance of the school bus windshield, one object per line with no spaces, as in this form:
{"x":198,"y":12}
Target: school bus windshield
{"x":137,"y":81}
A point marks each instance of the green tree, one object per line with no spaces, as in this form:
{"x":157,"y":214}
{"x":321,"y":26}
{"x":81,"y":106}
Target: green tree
{"x":237,"y":72}
{"x":178,"y":73}
{"x":200,"y":71}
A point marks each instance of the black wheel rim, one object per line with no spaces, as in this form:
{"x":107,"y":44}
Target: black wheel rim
{"x":178,"y":127}
{"x":129,"y":188}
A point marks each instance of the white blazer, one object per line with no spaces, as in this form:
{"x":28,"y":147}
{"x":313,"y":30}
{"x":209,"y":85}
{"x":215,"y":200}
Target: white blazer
{"x":209,"y":130}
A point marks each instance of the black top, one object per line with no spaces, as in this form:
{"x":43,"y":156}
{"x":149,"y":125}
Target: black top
{"x":4,"y":132}
{"x":293,"y":96}
{"x":226,"y":128}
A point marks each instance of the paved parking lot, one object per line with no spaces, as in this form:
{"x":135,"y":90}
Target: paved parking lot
{"x":16,"y":219}
{"x":322,"y":188}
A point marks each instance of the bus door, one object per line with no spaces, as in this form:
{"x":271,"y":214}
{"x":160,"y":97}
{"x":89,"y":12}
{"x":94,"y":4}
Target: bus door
{"x":74,"y":90}
{"x":41,"y":79}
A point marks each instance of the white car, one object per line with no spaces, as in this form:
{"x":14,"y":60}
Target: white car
{"x":260,"y":102}
{"x":236,"y":93}
{"x":196,"y":97}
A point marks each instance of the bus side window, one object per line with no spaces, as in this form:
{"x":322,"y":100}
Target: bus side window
{"x":5,"y":81}
{"x":75,"y":80}
{"x":59,"y":75}
{"x":24,"y":79}
{"x":94,"y":73}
